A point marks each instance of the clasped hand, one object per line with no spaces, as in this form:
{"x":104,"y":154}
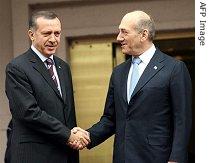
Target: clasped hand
{"x":79,"y":138}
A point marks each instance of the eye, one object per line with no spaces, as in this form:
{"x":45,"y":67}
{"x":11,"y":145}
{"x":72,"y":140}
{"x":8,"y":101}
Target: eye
{"x":57,"y":34}
{"x":124,"y":32}
{"x":45,"y":34}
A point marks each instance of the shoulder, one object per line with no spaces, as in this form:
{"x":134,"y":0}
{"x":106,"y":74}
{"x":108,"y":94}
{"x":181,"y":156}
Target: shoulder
{"x":59,"y":60}
{"x":169,"y":60}
{"x":173,"y":65}
{"x":62,"y":63}
{"x":19,"y":62}
{"x":19,"y":59}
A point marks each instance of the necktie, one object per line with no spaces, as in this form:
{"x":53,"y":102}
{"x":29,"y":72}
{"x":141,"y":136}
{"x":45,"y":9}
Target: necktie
{"x":50,"y":64}
{"x":135,"y":75}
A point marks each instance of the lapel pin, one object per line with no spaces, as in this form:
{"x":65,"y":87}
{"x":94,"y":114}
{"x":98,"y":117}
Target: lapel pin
{"x":155,"y":67}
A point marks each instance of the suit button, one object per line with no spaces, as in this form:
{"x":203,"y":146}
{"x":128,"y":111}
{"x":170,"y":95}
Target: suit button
{"x":127,"y":118}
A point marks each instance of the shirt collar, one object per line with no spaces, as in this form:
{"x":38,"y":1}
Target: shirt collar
{"x":40,"y":55}
{"x":148,"y":54}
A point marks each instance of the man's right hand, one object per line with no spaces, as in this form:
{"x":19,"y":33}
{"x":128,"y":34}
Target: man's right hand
{"x":79,"y":138}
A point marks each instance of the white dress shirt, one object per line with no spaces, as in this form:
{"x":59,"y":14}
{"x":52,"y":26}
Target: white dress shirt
{"x":43,"y":58}
{"x":145,"y":58}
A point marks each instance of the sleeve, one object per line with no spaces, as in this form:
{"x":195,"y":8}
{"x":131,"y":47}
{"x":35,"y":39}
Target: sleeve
{"x":105,"y":128}
{"x":24,"y":107}
{"x":180,"y":90}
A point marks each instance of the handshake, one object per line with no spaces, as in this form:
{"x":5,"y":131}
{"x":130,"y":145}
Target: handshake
{"x":78,"y":139}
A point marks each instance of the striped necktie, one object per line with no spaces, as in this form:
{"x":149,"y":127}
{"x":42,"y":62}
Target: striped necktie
{"x":50,"y":64}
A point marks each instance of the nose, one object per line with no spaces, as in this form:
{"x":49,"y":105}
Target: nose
{"x":119,"y":37}
{"x":52,"y":38}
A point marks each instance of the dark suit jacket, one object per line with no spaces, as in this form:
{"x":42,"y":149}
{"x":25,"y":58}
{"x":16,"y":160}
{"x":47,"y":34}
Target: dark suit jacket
{"x":41,"y":118}
{"x":155,"y":126}
{"x":7,"y":152}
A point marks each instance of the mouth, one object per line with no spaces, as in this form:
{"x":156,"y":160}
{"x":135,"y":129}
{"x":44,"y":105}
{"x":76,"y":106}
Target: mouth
{"x":123,"y":45}
{"x":51,"y":46}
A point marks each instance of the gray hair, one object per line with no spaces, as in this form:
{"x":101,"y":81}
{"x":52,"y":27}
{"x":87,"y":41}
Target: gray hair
{"x":36,"y":15}
{"x":146,"y":24}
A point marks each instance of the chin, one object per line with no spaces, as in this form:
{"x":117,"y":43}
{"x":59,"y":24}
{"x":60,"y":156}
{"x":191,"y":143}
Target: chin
{"x":124,"y":51}
{"x":48,"y":54}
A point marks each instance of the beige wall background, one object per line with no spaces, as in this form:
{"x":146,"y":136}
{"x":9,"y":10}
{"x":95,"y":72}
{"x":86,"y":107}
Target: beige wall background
{"x":79,"y":18}
{"x":6,"y":53}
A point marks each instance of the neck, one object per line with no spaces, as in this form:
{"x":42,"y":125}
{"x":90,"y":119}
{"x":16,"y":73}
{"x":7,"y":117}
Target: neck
{"x":144,"y":48}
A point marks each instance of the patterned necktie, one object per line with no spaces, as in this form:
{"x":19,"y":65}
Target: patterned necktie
{"x":50,"y":64}
{"x":135,"y":75}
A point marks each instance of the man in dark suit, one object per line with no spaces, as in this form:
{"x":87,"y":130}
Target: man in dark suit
{"x":40,"y":93}
{"x":152,"y":120}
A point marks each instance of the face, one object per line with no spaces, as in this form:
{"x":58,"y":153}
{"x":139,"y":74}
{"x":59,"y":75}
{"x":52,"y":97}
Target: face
{"x":46,"y":36}
{"x":129,"y":37}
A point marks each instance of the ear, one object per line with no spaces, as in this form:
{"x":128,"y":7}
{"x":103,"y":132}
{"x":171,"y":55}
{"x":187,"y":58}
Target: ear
{"x":144,"y":34}
{"x":31,"y":34}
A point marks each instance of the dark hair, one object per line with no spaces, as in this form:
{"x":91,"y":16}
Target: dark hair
{"x":146,"y":24}
{"x":36,"y":15}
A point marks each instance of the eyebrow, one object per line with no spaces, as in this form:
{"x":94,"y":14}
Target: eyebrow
{"x":123,"y":30}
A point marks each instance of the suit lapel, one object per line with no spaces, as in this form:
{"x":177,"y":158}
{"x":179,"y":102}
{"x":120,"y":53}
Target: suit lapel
{"x":61,"y":74}
{"x":154,"y":66}
{"x":41,"y":68}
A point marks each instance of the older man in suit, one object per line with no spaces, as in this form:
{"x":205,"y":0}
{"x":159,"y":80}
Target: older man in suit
{"x":148,"y":105}
{"x":40,"y":93}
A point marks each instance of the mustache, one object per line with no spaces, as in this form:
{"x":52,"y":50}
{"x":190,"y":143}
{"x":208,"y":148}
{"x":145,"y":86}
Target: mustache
{"x":52,"y":44}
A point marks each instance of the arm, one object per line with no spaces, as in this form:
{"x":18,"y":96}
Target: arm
{"x":180,"y":89}
{"x":24,"y":107}
{"x":105,"y":128}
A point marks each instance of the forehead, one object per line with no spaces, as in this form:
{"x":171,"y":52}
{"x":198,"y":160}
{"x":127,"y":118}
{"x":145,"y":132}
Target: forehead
{"x":43,"y":23}
{"x":127,"y":23}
